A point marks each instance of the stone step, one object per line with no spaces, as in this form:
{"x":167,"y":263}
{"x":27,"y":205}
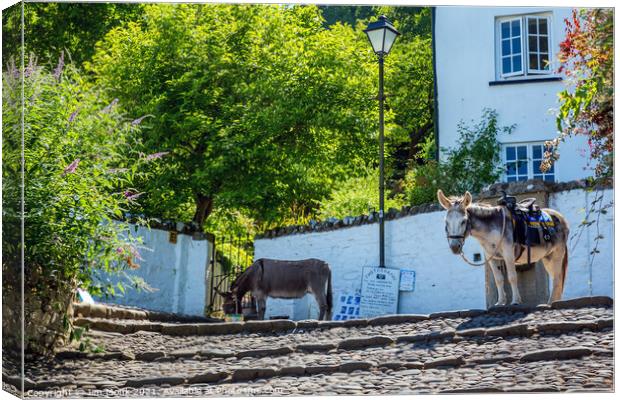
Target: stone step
{"x":101,"y":310}
{"x":103,"y":319}
{"x":451,"y":335}
{"x":266,"y":372}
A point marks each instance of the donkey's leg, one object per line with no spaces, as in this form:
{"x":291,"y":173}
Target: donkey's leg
{"x":553,"y":265}
{"x":321,"y":301}
{"x":511,"y":272}
{"x":261,"y":303}
{"x":498,"y":275}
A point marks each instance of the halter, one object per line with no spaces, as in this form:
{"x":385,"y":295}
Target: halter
{"x":464,"y":235}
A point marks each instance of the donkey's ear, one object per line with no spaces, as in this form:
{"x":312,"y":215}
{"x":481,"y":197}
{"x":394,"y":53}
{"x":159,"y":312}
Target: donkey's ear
{"x":466,"y":200}
{"x":443,"y":200}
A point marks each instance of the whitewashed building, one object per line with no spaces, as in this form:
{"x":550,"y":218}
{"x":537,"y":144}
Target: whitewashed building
{"x":505,"y":58}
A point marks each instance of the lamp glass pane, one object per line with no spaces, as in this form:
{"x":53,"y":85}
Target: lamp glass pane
{"x":376,"y":39}
{"x":390,"y":38}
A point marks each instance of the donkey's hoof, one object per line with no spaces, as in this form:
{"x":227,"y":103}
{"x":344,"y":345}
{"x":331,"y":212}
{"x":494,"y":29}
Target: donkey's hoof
{"x":500,"y":304}
{"x":516,"y":303}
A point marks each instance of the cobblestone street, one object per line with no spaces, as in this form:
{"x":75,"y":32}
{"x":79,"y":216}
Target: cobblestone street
{"x":566,"y":347}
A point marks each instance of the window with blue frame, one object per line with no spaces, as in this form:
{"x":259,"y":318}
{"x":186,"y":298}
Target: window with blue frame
{"x":524,"y":45}
{"x":522,"y":162}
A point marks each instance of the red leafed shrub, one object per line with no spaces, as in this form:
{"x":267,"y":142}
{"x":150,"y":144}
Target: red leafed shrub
{"x":586,"y":58}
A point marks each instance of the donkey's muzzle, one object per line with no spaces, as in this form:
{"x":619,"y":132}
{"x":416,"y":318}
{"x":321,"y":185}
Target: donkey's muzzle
{"x":456,"y":246}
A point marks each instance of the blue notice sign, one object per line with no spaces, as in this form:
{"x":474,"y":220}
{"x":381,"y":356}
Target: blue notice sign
{"x":407,"y":280}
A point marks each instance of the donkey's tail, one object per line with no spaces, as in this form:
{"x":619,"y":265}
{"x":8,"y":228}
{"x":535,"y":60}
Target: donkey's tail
{"x":329,"y":299}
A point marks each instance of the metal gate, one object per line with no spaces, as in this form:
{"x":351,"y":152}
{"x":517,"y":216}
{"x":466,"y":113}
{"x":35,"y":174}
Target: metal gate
{"x":231,"y":256}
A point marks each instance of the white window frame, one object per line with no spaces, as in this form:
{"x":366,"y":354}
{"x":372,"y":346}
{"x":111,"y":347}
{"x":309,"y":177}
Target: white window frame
{"x":525,"y":64}
{"x":501,"y":58}
{"x":527,"y":58}
{"x":505,"y":160}
{"x":529,"y":157}
{"x":542,"y":157}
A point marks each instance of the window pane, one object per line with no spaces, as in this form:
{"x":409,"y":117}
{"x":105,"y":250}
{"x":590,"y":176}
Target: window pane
{"x":505,"y":47}
{"x":550,"y":178}
{"x":510,"y":153}
{"x":511,"y":179}
{"x":533,"y":61}
{"x":542,"y":26}
{"x":544,"y":44}
{"x":516,"y":64}
{"x":538,"y":177}
{"x":522,"y":178}
{"x":537,"y":152}
{"x":506,"y":65}
{"x":516,"y":45}
{"x":522,"y":152}
{"x":505,"y":30}
{"x":531,"y":26}
{"x":511,"y":168}
{"x":536,"y":165}
{"x":522,"y":167}
{"x":533,"y":43}
{"x":516,"y":27}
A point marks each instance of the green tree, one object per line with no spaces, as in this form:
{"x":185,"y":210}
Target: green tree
{"x":54,"y":27}
{"x":356,"y":196}
{"x":587,"y":106}
{"x":409,"y":85}
{"x":346,"y":14}
{"x":259,"y":107}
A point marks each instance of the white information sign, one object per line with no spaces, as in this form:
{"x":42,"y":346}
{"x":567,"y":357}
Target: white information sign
{"x":379,"y":291}
{"x":407,"y":280}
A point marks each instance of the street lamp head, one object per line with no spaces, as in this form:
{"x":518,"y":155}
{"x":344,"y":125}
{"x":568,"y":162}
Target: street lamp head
{"x":381,"y":35}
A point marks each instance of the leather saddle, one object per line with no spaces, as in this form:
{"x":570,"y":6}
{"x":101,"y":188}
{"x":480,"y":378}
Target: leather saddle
{"x":526,"y":205}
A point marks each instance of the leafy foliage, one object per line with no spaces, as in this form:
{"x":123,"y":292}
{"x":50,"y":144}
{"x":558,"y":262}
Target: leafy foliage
{"x":356,"y":196}
{"x":587,"y":57}
{"x":472,"y":164}
{"x":54,"y":27}
{"x":346,"y":14}
{"x":259,"y":107}
{"x":78,"y":168}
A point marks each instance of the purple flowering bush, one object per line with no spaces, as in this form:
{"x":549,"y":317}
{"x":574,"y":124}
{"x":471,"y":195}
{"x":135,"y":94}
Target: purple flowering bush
{"x":79,"y":162}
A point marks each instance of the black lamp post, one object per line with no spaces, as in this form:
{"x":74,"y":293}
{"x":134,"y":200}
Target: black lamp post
{"x":381,"y":35}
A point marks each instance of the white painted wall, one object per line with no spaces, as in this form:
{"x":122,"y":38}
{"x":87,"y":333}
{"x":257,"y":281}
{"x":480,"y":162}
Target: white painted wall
{"x":178,"y":271}
{"x":443,"y":280}
{"x":466,"y":63}
{"x":417,"y":242}
{"x":587,"y":275}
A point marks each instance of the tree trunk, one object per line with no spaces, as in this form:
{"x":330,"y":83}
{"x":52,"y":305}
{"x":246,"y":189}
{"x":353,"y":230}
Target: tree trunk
{"x":204,"y":206}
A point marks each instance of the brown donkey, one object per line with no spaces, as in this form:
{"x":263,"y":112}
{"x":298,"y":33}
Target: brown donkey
{"x":283,"y":280}
{"x":492,"y":227}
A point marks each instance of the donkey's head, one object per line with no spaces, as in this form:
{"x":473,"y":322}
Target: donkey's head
{"x":231,"y":304}
{"x":457,"y":224}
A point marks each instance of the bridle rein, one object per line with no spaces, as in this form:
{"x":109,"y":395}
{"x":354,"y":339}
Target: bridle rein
{"x":466,"y":233}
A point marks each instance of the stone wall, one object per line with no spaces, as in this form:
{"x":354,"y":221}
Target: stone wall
{"x":415,"y":240}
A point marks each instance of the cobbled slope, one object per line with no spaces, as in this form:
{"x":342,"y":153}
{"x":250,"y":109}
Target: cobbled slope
{"x":564,"y":347}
